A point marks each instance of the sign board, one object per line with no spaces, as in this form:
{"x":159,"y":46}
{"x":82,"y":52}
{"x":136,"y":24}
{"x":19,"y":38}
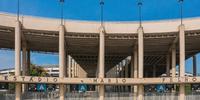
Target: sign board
{"x":160,"y":88}
{"x":82,"y":87}
{"x":41,"y":87}
{"x":98,"y":81}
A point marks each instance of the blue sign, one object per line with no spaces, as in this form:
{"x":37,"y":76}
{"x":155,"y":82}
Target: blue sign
{"x":41,"y":87}
{"x":82,"y":87}
{"x":160,"y":88}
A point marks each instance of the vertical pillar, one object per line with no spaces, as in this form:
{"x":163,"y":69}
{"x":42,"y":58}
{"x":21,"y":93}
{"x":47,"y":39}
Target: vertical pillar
{"x":146,"y":74}
{"x":122,"y":74}
{"x":140,"y":62}
{"x":135,"y":62}
{"x":28,"y":62}
{"x":66,"y":63}
{"x":173,"y":64}
{"x":76,"y":70}
{"x":174,"y":60}
{"x":182,"y":59}
{"x":24,"y":60}
{"x":194,"y":66}
{"x":69,"y":66}
{"x":69,"y":70}
{"x":126,"y":73}
{"x":62,"y":60}
{"x":154,"y":71}
{"x":126,"y":68}
{"x":18,"y":58}
{"x":73,"y":68}
{"x":168,"y":65}
{"x":135,"y":70}
{"x":24,"y":65}
{"x":132,"y":67}
{"x":101,"y":61}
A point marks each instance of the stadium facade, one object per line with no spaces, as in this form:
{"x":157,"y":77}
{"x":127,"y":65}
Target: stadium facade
{"x":155,"y":48}
{"x":158,"y":45}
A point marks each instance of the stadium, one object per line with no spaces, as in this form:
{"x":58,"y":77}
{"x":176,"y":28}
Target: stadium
{"x":105,"y":60}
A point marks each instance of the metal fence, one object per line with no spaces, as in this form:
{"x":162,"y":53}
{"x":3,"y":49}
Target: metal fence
{"x":95,"y":96}
{"x":161,"y":96}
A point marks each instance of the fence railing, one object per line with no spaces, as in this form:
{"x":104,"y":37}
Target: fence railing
{"x":95,"y":96}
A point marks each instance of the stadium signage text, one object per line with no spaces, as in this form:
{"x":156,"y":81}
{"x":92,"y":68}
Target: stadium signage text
{"x":111,"y":81}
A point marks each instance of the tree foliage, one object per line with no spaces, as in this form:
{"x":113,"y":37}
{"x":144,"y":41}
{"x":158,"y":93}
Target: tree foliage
{"x":37,"y":71}
{"x":34,"y":71}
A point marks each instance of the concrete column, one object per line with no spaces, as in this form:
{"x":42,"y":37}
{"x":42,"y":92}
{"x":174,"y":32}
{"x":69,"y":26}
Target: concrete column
{"x":126,"y":73}
{"x":140,"y":62}
{"x":154,"y":71}
{"x":122,"y":74}
{"x":168,"y":65}
{"x":101,"y":61}
{"x":24,"y":60}
{"x":73,"y":68}
{"x":132,"y":67}
{"x":69,"y":70}
{"x":174,"y":60}
{"x":76,"y":70}
{"x":62,"y":60}
{"x":146,"y":74}
{"x":135,"y":60}
{"x":24,"y":66}
{"x":66,"y":63}
{"x":18,"y":58}
{"x":69,"y":66}
{"x":28,"y":62}
{"x":194,"y":66}
{"x":126,"y":69}
{"x":182,"y":59}
{"x":173,"y":64}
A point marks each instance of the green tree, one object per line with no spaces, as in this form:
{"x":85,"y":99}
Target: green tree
{"x":37,"y":71}
{"x":34,"y":71}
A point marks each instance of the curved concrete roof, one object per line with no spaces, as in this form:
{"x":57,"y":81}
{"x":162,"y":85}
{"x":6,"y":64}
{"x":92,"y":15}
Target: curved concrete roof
{"x":41,"y":34}
{"x":47,"y":24}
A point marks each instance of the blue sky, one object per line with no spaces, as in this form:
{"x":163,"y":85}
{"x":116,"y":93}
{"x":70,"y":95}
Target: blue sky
{"x":7,"y":58}
{"x":114,"y":10}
